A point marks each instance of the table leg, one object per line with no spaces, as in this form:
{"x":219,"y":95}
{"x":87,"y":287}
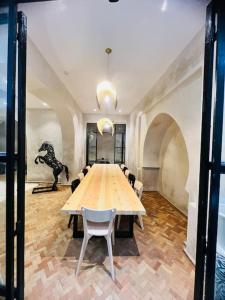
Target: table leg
{"x":126,"y":233}
{"x":76,"y":233}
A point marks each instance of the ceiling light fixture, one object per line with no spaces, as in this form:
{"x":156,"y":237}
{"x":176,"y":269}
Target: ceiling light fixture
{"x":164,"y":5}
{"x":106,"y":93}
{"x":105,"y":123}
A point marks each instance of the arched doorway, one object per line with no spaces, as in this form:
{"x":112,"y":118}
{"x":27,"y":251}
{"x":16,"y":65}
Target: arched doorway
{"x":165,"y":161}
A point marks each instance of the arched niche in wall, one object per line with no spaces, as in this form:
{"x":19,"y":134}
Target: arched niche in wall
{"x":78,"y":144}
{"x":138,"y":136}
{"x":165,"y":160}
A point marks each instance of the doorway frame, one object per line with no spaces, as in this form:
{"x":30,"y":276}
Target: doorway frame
{"x":211,"y":166}
{"x":206,"y":165}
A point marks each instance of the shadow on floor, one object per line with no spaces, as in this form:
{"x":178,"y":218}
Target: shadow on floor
{"x":96,"y":251}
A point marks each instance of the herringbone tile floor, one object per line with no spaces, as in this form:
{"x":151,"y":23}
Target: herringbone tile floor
{"x":151,"y":266}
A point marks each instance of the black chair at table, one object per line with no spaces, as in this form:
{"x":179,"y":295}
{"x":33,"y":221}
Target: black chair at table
{"x":74,"y":185}
{"x":85,"y":171}
{"x":124,"y":169}
{"x":131,"y":179}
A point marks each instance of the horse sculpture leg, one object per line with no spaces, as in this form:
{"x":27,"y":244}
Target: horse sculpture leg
{"x":54,"y":186}
{"x":56,"y":173}
{"x":40,"y":159}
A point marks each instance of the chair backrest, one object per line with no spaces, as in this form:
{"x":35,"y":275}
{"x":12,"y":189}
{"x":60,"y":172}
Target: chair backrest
{"x":85,"y":171}
{"x":98,"y":216}
{"x":80,"y":176}
{"x":127,"y":172}
{"x":131,"y":179}
{"x":138,"y":186}
{"x":124,"y":169}
{"x":74,"y":184}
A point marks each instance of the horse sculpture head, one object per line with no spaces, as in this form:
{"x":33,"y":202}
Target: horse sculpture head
{"x":46,"y":146}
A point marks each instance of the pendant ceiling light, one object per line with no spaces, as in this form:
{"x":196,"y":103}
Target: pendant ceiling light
{"x":106,"y":93}
{"x":105,"y":124}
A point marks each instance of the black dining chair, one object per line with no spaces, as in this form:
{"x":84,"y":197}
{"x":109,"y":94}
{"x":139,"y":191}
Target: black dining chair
{"x":131,"y":179}
{"x":124,"y":169}
{"x":85,"y":171}
{"x":74,"y":185}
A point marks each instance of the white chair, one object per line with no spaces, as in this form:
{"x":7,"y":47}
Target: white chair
{"x":138,"y":187}
{"x":88,"y":168}
{"x":127,"y":172}
{"x":122,"y":166}
{"x":81,"y":176}
{"x":98,"y":223}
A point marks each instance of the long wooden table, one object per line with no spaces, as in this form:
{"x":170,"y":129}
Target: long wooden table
{"x":105,"y":187}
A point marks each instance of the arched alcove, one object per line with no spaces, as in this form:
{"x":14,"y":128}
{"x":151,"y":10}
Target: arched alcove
{"x":165,"y":160}
{"x":138,"y":136}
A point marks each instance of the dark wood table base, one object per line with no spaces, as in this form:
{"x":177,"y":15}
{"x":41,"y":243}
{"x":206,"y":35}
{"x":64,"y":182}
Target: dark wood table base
{"x":126,"y":231}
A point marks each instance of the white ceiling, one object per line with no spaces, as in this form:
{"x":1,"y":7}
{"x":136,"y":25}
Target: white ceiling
{"x":72,"y":36}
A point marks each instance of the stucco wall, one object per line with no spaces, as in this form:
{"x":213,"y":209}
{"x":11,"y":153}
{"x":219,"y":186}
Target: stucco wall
{"x":174,"y":169}
{"x":42,"y":125}
{"x":44,"y":83}
{"x":177,"y":93}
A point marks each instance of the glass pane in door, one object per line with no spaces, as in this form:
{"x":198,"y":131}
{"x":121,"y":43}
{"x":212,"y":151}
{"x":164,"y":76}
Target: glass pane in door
{"x":3,"y":75}
{"x":2,"y":222}
{"x":3,"y":105}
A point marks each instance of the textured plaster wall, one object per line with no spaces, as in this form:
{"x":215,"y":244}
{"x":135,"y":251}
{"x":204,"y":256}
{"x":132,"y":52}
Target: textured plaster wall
{"x":43,"y":83}
{"x":42,"y":125}
{"x":177,"y":93}
{"x":174,"y":169}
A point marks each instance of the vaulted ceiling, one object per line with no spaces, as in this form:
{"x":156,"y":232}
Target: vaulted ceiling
{"x":145,"y":35}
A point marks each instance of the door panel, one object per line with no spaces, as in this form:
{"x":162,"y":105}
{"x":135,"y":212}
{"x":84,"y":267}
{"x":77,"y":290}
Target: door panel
{"x":12,"y":149}
{"x":3,"y":106}
{"x":210,"y":257}
{"x":2,"y":224}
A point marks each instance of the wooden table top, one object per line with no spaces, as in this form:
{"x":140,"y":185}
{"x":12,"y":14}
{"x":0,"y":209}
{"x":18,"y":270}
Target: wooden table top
{"x":105,"y":187}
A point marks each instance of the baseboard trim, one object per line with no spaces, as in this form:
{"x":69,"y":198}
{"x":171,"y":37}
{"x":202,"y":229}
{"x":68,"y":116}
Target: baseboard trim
{"x":190,"y":257}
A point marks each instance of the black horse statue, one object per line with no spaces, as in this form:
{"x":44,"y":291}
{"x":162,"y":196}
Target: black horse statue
{"x":50,"y":160}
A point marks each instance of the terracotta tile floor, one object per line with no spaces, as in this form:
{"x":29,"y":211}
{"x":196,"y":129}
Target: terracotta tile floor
{"x":150,"y":266}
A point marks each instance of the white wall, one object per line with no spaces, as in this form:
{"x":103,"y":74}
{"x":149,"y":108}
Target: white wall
{"x":42,"y":125}
{"x":174,"y":169}
{"x":177,"y":93}
{"x":43,"y":83}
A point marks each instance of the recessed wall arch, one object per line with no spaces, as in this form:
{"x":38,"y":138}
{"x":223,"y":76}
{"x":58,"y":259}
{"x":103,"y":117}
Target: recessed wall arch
{"x":138,"y":137}
{"x":165,"y":154}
